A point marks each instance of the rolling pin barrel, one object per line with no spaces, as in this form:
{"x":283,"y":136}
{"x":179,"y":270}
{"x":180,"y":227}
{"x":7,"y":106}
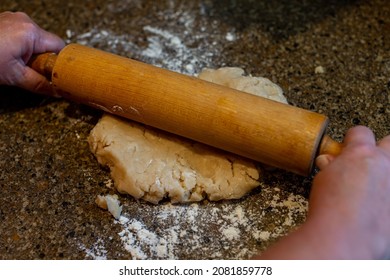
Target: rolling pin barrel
{"x":266,"y":131}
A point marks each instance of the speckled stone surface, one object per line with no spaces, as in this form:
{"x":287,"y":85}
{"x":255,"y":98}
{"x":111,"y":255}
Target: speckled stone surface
{"x":331,"y":57}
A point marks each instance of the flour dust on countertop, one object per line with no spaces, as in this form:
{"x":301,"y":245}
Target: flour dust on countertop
{"x":209,"y":230}
{"x":184,"y":48}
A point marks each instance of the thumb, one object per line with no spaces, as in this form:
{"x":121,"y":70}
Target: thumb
{"x":35,"y":82}
{"x":323,"y":161}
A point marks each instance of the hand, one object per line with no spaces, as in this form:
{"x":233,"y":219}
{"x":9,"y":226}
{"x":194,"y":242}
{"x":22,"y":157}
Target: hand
{"x":354,"y":189}
{"x":20,"y":38}
{"x":349,"y":205}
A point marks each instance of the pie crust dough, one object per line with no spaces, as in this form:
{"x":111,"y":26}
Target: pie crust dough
{"x":154,"y":165}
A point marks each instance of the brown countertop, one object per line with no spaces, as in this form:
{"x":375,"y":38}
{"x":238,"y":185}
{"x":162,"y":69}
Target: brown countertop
{"x":331,"y":57}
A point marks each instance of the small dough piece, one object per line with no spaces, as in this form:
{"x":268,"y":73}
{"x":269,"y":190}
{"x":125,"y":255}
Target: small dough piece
{"x":152,"y":165}
{"x":110,"y":203}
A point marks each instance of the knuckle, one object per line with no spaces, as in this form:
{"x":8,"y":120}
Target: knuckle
{"x":29,"y":27}
{"x":20,"y":16}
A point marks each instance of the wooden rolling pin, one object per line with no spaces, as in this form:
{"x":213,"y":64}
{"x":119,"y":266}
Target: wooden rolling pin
{"x":276,"y":134}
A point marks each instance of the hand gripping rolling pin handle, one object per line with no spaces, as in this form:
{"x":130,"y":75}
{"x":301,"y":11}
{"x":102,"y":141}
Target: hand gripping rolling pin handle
{"x":276,"y":134}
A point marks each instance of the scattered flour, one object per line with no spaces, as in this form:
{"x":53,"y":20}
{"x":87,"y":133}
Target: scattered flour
{"x":187,"y":225}
{"x":264,"y":235}
{"x":231,"y":233}
{"x":96,"y":252}
{"x":186,"y":51}
{"x":202,"y":232}
{"x":142,"y":243}
{"x":165,"y":49}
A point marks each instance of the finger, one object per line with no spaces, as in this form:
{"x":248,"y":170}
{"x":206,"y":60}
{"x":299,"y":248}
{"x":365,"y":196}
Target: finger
{"x":42,"y":40}
{"x":385,"y":143}
{"x":47,"y":42}
{"x":359,"y":135}
{"x":35,"y":82}
{"x":323,"y":161}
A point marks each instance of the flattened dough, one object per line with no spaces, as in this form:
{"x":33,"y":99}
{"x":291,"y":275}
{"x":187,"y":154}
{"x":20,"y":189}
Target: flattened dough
{"x":233,"y":77}
{"x":152,"y":165}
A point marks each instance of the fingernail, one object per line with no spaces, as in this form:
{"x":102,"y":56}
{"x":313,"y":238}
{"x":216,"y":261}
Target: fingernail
{"x":322,"y":161}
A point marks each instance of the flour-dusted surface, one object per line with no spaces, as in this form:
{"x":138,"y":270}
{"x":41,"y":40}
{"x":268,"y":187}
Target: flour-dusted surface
{"x":182,"y":51}
{"x":206,"y":231}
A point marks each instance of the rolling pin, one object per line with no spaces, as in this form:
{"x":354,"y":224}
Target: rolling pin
{"x":266,"y":131}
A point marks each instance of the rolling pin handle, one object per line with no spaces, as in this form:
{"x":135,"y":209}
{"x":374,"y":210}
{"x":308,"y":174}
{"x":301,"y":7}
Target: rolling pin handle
{"x":329,"y":147}
{"x":43,"y":64}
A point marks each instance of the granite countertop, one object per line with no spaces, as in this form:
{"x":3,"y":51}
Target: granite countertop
{"x":332,"y":57}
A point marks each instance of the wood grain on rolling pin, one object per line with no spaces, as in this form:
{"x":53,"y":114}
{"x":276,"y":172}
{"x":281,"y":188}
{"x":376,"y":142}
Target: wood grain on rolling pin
{"x":264,"y":130}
